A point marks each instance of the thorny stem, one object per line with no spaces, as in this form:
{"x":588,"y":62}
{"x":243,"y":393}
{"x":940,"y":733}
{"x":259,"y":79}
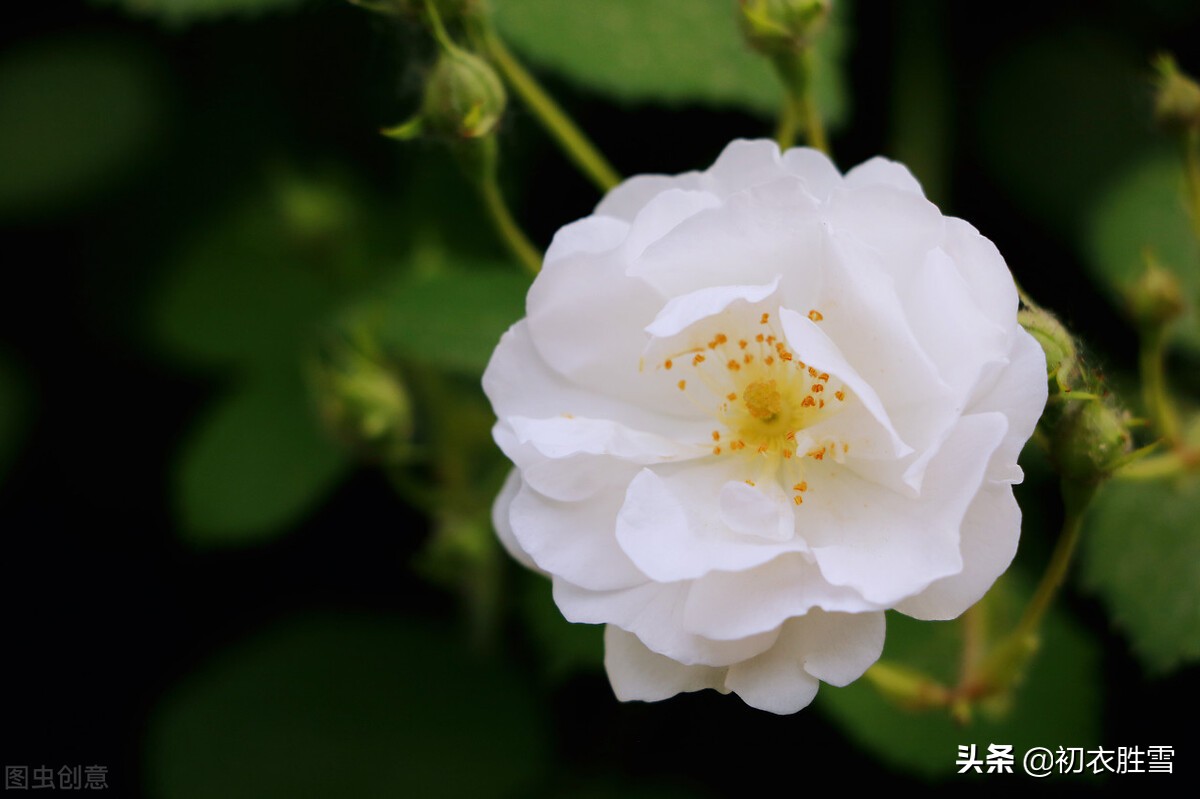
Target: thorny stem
{"x":560,"y":126}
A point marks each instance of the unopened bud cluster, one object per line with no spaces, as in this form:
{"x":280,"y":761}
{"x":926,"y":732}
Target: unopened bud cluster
{"x":1088,"y":434}
{"x":363,"y":402}
{"x":1177,"y":99}
{"x":775,"y":27}
{"x":1157,"y":297}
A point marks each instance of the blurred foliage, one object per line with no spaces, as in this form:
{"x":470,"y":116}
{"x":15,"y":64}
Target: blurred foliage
{"x":255,"y":463}
{"x":1141,"y":554}
{"x":78,"y":113}
{"x":1144,"y":210}
{"x":1065,"y":676}
{"x":564,"y":648}
{"x":450,"y":320}
{"x":668,"y":51}
{"x":339,"y":706}
{"x":179,"y":12}
{"x":1057,"y":117}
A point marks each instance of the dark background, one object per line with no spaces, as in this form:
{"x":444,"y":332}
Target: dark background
{"x":105,"y":607}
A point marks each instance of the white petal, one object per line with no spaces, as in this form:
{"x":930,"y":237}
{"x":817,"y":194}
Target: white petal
{"x":990,"y":531}
{"x":683,"y":312}
{"x":500,"y":520}
{"x":631,"y":195}
{"x":593,"y":234}
{"x":562,"y":436}
{"x":815,"y":169}
{"x":983,"y":269}
{"x":774,"y":681}
{"x":887,"y":546}
{"x":1020,"y":394}
{"x":816,"y":348}
{"x":757,"y":511}
{"x":636,"y":673}
{"x":837,"y":647}
{"x":654,"y":613}
{"x":672,"y":526}
{"x":662,"y":214}
{"x":880,"y":171}
{"x":742,"y":164}
{"x":727,"y":605}
{"x":574,"y":540}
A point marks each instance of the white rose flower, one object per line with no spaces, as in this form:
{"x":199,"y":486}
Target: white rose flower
{"x":752,"y":408}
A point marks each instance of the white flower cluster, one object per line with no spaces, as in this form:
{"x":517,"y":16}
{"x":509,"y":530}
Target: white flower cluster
{"x":752,"y":408}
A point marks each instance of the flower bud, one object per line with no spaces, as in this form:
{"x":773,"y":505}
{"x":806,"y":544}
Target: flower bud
{"x":1090,"y":441}
{"x":1156,"y":298}
{"x":363,"y":402}
{"x":1177,"y":99}
{"x":464,"y":97}
{"x":775,"y":27}
{"x":1057,"y":343}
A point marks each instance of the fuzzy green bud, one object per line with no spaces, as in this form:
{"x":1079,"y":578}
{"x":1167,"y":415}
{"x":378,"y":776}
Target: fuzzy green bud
{"x":1090,"y":441}
{"x":1177,"y":97}
{"x":774,"y":27}
{"x":1057,"y":343}
{"x":464,"y":98}
{"x":1156,"y":298}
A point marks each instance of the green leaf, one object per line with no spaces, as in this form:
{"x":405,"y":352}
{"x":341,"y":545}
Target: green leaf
{"x":256,"y":462}
{"x":247,"y":288}
{"x":1141,"y":554}
{"x":352,"y":707}
{"x":1058,"y":703}
{"x":1145,"y":208}
{"x":452,"y":320}
{"x":671,"y":51}
{"x":187,"y":11}
{"x":78,"y":112}
{"x":1057,"y":117}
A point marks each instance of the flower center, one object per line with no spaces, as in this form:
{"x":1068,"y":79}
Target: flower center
{"x":762,"y":396}
{"x":763,"y":400}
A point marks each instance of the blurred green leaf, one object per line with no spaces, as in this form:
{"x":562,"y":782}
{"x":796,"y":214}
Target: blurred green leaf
{"x":77,"y":113}
{"x":248,"y":288}
{"x":12,"y":412}
{"x":1141,"y":553}
{"x":565,"y":647}
{"x":1145,"y":209}
{"x":1057,"y":117}
{"x":1058,"y":703}
{"x":452,"y":320}
{"x":256,"y":462}
{"x":349,"y":707}
{"x":674,"y":51}
{"x":187,"y":11}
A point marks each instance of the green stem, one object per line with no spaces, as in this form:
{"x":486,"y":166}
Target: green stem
{"x":507,"y":227}
{"x":439,"y":29}
{"x":1169,"y":464}
{"x":482,"y":166}
{"x":1151,"y":358}
{"x":789,"y":122}
{"x":1076,"y":497}
{"x":568,"y":135}
{"x":795,"y":70}
{"x":814,"y":126}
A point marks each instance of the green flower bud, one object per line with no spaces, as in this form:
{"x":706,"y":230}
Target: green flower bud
{"x":1090,"y":441}
{"x":775,"y":27}
{"x":1057,"y":343}
{"x":1177,"y":99}
{"x":363,"y":402}
{"x":464,"y":97}
{"x":1156,"y":298}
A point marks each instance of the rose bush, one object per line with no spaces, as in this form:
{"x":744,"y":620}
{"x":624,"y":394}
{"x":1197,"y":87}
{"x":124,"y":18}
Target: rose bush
{"x":752,"y":408}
